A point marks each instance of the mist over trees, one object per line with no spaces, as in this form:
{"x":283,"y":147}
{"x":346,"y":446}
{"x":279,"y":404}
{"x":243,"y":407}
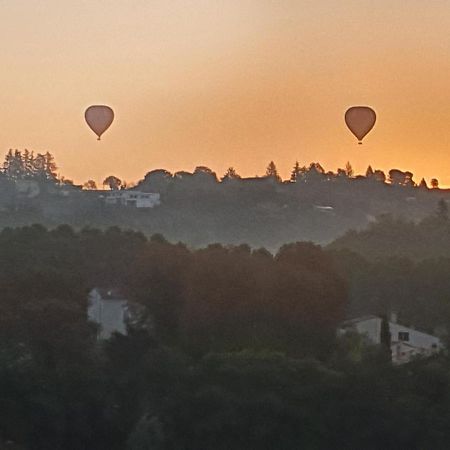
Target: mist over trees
{"x":200,"y":207}
{"x":399,"y":237}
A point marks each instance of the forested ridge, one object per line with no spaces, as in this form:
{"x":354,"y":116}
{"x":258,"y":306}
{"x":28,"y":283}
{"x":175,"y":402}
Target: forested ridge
{"x":200,"y":208}
{"x":236,"y":347}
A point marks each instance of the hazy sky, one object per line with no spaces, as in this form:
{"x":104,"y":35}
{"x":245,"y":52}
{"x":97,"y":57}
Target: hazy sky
{"x":226,"y":83}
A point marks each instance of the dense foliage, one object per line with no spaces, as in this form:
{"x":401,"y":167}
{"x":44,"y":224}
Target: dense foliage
{"x":241,"y":352}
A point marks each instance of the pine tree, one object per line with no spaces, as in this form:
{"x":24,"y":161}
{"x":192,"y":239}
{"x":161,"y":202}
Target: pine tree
{"x":272,"y":172}
{"x":423,"y":184}
{"x":369,"y":172}
{"x":39,"y":167}
{"x":295,"y":171}
{"x":8,"y":163}
{"x":28,"y":163}
{"x":16,"y":166}
{"x":230,"y":174}
{"x":50,"y":166}
{"x":349,"y":169}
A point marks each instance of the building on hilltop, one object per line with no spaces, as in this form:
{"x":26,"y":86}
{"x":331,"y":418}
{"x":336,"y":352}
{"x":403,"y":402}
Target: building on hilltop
{"x":406,"y":342}
{"x":132,"y":198}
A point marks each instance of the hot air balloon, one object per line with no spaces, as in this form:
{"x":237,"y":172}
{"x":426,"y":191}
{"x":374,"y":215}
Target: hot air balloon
{"x":360,"y":120}
{"x":99,"y":118}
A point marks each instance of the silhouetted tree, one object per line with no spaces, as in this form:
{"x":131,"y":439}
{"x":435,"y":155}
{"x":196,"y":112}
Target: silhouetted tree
{"x":90,"y":185}
{"x":423,"y":184}
{"x":112,"y":182}
{"x":295,"y":171}
{"x":349,"y":170}
{"x":50,"y":166}
{"x":231,"y":174}
{"x":272,"y":172}
{"x":379,"y":175}
{"x":434,"y":183}
{"x":400,"y":178}
{"x":204,"y":175}
{"x":369,"y":172}
{"x":66,"y":181}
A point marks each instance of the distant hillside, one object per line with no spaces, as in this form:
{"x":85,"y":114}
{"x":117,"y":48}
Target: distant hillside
{"x":198,"y":209}
{"x":396,"y":237}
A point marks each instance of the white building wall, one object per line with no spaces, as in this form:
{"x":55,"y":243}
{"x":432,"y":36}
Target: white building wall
{"x":109,"y":314}
{"x":416,"y":338}
{"x":133,"y":198}
{"x":370,"y":328}
{"x":418,"y":343}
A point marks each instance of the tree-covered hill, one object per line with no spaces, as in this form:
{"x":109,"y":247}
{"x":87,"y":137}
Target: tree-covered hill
{"x":390,"y":236}
{"x":198,"y":208}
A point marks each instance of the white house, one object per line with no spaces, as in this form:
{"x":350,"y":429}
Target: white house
{"x":108,"y":309}
{"x":406,"y":342}
{"x":112,"y":312}
{"x":136,"y":199}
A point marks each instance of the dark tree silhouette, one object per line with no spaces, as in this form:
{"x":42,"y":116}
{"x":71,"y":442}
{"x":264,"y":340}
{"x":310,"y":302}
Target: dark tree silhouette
{"x":434,"y":183}
{"x":272,"y":172}
{"x":295,"y":171}
{"x":90,"y":185}
{"x":379,"y":175}
{"x":231,"y":174}
{"x":112,"y":182}
{"x":349,"y":170}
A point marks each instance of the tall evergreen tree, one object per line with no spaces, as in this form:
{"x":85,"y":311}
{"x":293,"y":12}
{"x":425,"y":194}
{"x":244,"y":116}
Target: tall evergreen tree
{"x":230,"y":174}
{"x":50,"y":166}
{"x":349,"y":170}
{"x":369,"y":172}
{"x":272,"y":171}
{"x":28,"y":158}
{"x":295,"y":171}
{"x":423,"y":184}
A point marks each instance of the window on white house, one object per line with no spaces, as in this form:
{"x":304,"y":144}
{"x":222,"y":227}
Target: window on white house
{"x":403,"y":336}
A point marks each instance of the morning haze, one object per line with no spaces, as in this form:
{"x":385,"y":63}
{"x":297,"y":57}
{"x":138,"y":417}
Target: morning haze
{"x":226,"y":83}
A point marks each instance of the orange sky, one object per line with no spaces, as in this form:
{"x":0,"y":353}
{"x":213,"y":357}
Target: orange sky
{"x":230,"y":82}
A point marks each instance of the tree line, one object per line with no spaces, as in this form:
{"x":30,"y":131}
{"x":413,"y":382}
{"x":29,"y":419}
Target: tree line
{"x":26,"y":165}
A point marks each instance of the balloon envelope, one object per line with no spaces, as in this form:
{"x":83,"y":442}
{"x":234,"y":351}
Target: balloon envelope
{"x":99,"y":118}
{"x":360,"y":120}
